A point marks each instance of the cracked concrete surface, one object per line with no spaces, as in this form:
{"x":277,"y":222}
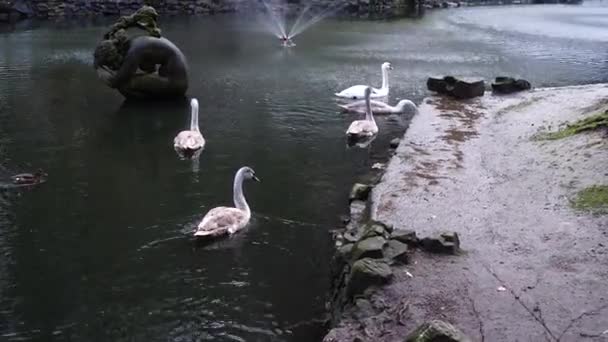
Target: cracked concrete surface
{"x":473,"y":167}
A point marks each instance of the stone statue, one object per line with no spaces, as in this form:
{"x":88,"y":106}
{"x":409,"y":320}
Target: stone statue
{"x":141,"y":66}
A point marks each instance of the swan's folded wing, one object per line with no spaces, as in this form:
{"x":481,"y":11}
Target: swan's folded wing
{"x":357,"y":127}
{"x":189,"y":140}
{"x":357,"y":104}
{"x":221,"y":218}
{"x":354,"y":91}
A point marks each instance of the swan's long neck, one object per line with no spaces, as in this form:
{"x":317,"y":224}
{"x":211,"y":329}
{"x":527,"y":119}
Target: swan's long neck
{"x":369,"y":116}
{"x":194,"y":115}
{"x":239,"y":197}
{"x":385,"y":78}
{"x":400,"y":106}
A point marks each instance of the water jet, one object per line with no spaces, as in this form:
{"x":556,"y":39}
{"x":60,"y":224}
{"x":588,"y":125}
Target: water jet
{"x":276,"y":21}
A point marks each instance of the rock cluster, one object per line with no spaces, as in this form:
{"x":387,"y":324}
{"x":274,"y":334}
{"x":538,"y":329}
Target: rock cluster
{"x":367,"y":252}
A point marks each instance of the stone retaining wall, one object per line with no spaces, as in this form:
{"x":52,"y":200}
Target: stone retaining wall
{"x":77,"y":8}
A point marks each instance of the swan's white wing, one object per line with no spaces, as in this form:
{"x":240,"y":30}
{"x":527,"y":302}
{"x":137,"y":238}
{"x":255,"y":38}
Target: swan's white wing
{"x":362,"y":128}
{"x":222,"y":220}
{"x":354,"y":92}
{"x":376,"y":93}
{"x":379,"y":106}
{"x":189,"y":140}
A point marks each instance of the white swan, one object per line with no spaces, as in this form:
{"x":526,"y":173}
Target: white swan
{"x":357,"y":92}
{"x":379,"y":107}
{"x":227,"y":220}
{"x":190,"y":140}
{"x":364,"y":128}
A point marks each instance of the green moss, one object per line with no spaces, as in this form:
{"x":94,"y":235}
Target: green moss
{"x":590,"y":123}
{"x":594,"y":199}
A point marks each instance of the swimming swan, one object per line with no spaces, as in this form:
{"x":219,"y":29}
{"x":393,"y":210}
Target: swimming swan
{"x":191,"y":140}
{"x":228,"y":220}
{"x":357,"y":92}
{"x":364,"y":128}
{"x":379,"y":107}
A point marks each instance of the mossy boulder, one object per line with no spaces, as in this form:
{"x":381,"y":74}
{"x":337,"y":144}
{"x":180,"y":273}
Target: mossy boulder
{"x":396,"y":251}
{"x":360,"y":192}
{"x":437,"y":331}
{"x":371,"y":247}
{"x":374,"y":228}
{"x":345,"y":251}
{"x":368,"y":272}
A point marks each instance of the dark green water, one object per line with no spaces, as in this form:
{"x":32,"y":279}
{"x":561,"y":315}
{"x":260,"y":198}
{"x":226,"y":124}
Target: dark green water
{"x":102,"y":251}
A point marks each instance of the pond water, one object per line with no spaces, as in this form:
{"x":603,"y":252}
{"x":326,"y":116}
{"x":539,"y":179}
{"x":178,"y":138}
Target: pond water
{"x":103,"y":250}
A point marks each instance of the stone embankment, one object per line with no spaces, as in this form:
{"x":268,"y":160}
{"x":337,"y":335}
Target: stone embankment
{"x":512,"y":192}
{"x":77,"y":8}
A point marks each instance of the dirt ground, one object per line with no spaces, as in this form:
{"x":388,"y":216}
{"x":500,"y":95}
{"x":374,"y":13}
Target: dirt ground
{"x":532,"y":268}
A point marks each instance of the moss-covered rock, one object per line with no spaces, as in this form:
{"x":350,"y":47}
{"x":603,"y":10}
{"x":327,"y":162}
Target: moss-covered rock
{"x":345,"y":251}
{"x":369,"y":248}
{"x":437,"y":331}
{"x":368,"y":272}
{"x":360,"y":192}
{"x":396,"y":251}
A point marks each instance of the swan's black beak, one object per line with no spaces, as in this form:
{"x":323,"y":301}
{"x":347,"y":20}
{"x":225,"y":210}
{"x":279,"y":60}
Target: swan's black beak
{"x":256,"y":179}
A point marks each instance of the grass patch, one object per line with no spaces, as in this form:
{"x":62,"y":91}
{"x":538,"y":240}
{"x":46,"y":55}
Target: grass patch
{"x":593,"y":198}
{"x":593,"y":122}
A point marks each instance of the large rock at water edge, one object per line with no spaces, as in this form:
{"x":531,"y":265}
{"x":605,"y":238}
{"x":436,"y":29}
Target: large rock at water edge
{"x":395,"y":143}
{"x":368,"y":272}
{"x":396,"y":251}
{"x":454,"y":87}
{"x":375,"y":228}
{"x":508,"y":85}
{"x":360,"y":192}
{"x":369,"y":248}
{"x":437,"y":331}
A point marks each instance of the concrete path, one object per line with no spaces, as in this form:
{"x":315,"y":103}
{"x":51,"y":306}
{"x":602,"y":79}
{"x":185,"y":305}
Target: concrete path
{"x":533,"y":269}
